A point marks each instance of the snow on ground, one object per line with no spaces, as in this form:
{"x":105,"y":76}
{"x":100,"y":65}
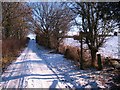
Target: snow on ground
{"x":71,"y":42}
{"x":37,"y":68}
{"x":31,"y":35}
{"x":109,"y":49}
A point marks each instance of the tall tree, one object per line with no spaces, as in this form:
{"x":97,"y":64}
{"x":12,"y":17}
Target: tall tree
{"x":41,"y":15}
{"x":15,"y":19}
{"x":52,"y":20}
{"x":62,"y":21}
{"x":93,"y":25}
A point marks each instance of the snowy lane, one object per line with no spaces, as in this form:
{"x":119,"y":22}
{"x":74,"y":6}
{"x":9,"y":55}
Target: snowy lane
{"x":37,"y":68}
{"x":30,"y":71}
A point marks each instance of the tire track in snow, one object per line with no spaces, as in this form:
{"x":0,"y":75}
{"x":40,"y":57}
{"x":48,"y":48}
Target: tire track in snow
{"x":56,"y":73}
{"x":22,"y":80}
{"x":27,"y":76}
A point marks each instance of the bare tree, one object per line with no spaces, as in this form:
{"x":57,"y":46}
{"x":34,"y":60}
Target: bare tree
{"x":95,"y":27}
{"x":42,"y":12}
{"x":15,"y":23}
{"x":62,"y":21}
{"x":15,"y":19}
{"x":52,"y":20}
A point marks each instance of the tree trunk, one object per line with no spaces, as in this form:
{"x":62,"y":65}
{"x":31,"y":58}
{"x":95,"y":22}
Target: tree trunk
{"x":93,"y":57}
{"x":57,"y":44}
{"x":7,"y":34}
{"x":99,"y":62}
{"x":57,"y":47}
{"x":48,"y":45}
{"x":81,"y":53}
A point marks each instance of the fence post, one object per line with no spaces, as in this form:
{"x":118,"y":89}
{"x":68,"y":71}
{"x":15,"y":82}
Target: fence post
{"x":99,"y":62}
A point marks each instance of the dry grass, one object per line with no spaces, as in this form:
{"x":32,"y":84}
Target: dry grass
{"x":73,"y":53}
{"x":10,"y":50}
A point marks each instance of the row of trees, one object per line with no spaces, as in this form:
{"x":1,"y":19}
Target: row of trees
{"x":15,"y":17}
{"x":15,"y":26}
{"x":52,"y":21}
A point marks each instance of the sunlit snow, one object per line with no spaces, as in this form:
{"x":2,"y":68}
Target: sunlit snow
{"x":109,"y":49}
{"x":36,"y":68}
{"x":31,"y":36}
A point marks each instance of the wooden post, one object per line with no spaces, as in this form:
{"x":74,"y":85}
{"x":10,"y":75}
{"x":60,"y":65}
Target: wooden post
{"x":81,"y":51}
{"x":106,"y":61}
{"x":99,"y":62}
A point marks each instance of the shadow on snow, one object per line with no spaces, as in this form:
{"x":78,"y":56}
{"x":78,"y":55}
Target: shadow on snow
{"x":63,"y":69}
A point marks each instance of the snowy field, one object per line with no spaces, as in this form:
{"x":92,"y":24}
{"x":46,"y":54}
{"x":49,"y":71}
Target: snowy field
{"x":37,"y":68}
{"x":109,"y":49}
